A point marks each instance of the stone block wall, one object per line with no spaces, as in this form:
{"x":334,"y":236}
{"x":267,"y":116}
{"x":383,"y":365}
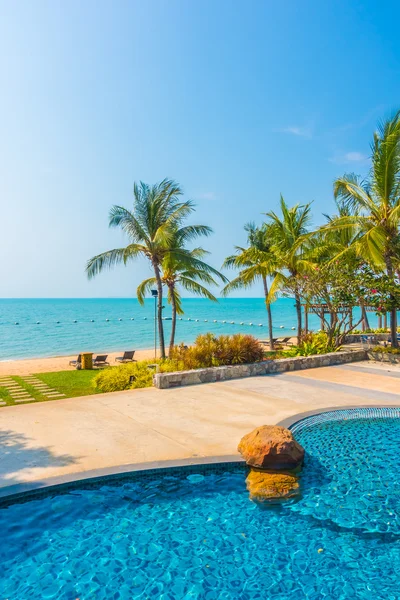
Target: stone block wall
{"x":213,"y":374}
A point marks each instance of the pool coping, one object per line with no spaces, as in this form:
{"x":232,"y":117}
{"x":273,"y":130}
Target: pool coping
{"x":17,"y":490}
{"x":289,"y":421}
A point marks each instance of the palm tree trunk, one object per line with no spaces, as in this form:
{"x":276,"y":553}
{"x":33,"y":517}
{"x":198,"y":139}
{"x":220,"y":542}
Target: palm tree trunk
{"x":298,"y":311}
{"x":159,"y":310}
{"x":269,"y":312}
{"x":173,"y":322}
{"x":365,"y":322}
{"x":393,"y":311}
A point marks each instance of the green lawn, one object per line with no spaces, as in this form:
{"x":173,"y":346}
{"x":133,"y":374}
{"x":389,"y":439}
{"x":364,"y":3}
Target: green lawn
{"x":71,"y":383}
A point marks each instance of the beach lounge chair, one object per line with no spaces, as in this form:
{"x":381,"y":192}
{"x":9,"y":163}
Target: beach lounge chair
{"x":278,"y":341}
{"x":100,"y":360}
{"x":78,"y":361}
{"x":127,"y":357}
{"x":284,"y":341}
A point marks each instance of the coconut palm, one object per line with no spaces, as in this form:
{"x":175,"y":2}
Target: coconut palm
{"x":289,"y":237}
{"x":150,"y":226}
{"x":255,"y":263}
{"x":191,"y":274}
{"x":376,"y":202}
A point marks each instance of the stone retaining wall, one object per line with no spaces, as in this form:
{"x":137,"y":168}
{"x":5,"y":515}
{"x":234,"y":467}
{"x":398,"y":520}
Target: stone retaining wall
{"x":180,"y":378}
{"x":386,"y":357}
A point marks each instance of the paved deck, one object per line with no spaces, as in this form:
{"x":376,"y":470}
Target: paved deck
{"x":46,"y":441}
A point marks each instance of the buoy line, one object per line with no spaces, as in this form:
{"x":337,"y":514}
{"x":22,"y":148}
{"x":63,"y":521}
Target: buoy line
{"x":120,"y":319}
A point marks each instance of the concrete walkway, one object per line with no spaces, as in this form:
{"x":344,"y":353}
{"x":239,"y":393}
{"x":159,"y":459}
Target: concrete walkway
{"x":50,"y":440}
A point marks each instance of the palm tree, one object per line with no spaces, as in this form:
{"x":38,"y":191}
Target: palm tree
{"x":189,"y":274}
{"x":376,"y":202}
{"x":289,"y":236}
{"x":151,"y":226}
{"x":256,"y":262}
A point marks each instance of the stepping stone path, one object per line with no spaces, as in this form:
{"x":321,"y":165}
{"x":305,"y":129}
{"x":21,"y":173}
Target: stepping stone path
{"x":42,"y":387}
{"x":17,"y":392}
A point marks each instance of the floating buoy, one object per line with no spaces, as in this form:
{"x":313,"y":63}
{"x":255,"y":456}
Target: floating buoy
{"x":232,"y":322}
{"x":215,"y":321}
{"x":189,"y":319}
{"x":197,"y":320}
{"x":75,"y":321}
{"x":281,"y":327}
{"x":92,"y":320}
{"x":144,"y":318}
{"x":119,"y":319}
{"x":293,"y":327}
{"x":37,"y":322}
{"x":132,"y":319}
{"x":260,"y":324}
{"x":205,"y":320}
{"x":180,"y":318}
{"x":16,"y":323}
{"x":250,"y":323}
{"x":57,"y":322}
{"x":109,"y":319}
{"x":242,"y":323}
{"x":224,"y":321}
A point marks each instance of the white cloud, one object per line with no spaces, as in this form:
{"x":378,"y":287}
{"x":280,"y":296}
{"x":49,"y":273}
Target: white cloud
{"x":355,"y":157}
{"x":349,"y":158}
{"x":206,"y":196}
{"x":300,"y":131}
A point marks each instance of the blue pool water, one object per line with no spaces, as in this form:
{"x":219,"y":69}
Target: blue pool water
{"x":57,"y":327}
{"x":194,"y":533}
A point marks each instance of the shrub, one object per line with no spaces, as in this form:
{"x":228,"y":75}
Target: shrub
{"x":116,"y":379}
{"x":212,"y":351}
{"x":386,"y":350}
{"x":312,"y":343}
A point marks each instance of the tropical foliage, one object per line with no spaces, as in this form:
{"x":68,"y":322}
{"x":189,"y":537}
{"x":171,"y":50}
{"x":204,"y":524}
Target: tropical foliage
{"x":155,"y":230}
{"x":255,"y":263}
{"x":290,"y":243}
{"x":191,"y":274}
{"x":214,"y":351}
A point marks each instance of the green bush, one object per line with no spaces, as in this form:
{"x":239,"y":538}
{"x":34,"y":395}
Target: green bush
{"x":116,"y":379}
{"x":312,"y":343}
{"x":386,"y":350}
{"x":214,"y":351}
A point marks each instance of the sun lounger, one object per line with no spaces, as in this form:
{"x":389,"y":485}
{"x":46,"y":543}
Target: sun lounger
{"x":100,"y":360}
{"x":280,"y":341}
{"x":127,"y":357}
{"x":78,"y":361}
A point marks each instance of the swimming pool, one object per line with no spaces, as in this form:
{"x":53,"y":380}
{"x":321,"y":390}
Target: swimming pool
{"x":193,"y":533}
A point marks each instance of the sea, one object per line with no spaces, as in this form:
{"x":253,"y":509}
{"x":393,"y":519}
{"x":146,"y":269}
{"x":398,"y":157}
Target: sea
{"x":60,"y":327}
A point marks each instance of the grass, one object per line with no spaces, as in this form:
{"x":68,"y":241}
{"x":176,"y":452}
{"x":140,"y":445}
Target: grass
{"x":71,"y":383}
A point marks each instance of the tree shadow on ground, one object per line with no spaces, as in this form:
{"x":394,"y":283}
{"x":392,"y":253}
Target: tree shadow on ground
{"x":17,"y":454}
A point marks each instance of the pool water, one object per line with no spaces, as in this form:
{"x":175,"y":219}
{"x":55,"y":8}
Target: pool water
{"x":194,"y":533}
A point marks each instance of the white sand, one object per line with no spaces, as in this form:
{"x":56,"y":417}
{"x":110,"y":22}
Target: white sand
{"x":58,"y":363}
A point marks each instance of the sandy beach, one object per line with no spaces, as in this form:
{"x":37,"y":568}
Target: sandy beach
{"x":27,"y":366}
{"x":57,"y":363}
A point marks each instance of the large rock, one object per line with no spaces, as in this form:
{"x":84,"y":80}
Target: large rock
{"x":266,"y":486}
{"x":271,"y":447}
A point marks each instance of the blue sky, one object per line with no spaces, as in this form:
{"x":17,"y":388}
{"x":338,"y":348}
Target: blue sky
{"x":238,"y":101}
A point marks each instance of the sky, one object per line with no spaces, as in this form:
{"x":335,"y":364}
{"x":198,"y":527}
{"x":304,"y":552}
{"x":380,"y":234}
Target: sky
{"x":238,"y":101}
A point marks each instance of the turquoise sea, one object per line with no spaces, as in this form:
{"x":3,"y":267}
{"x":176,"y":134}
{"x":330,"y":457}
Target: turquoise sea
{"x":55,"y":327}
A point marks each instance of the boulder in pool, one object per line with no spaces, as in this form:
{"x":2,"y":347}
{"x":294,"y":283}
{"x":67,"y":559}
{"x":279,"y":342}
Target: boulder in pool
{"x":271,"y":447}
{"x":266,"y":486}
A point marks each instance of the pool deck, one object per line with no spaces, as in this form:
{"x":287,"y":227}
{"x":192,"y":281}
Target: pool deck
{"x":69,"y":439}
